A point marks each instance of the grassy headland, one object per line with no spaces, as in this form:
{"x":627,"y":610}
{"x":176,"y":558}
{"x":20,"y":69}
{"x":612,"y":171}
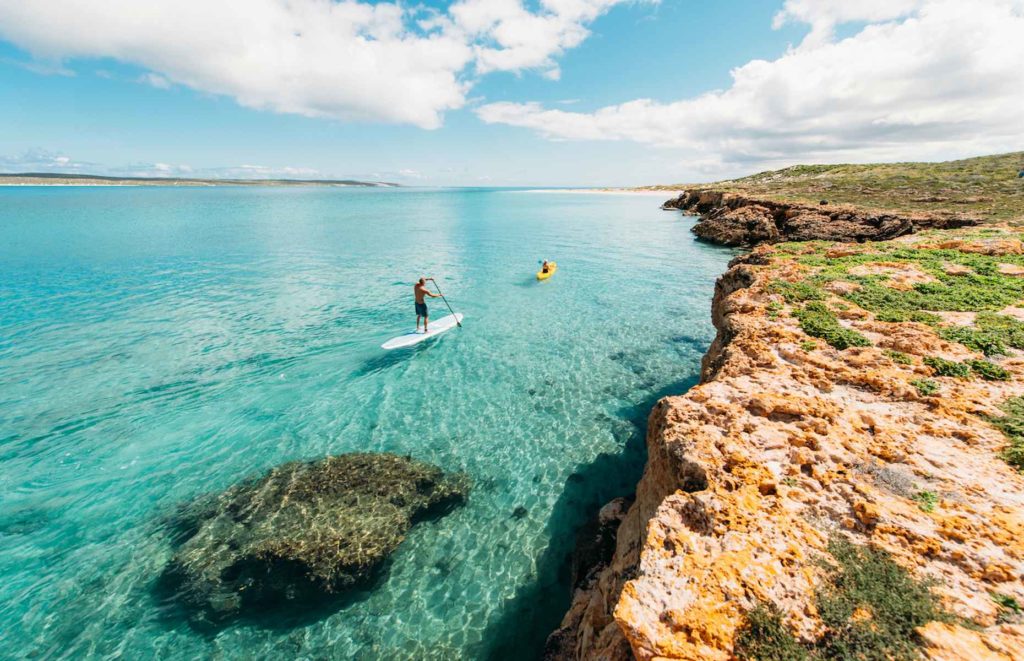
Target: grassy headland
{"x":987,"y":187}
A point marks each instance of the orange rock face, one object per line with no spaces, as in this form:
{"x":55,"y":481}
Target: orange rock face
{"x":787,"y":442}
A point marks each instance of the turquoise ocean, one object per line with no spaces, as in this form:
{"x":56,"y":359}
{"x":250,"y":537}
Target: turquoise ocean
{"x":157,"y":344}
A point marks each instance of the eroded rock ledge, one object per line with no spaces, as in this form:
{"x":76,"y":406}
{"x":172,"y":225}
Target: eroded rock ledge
{"x":737,"y":220}
{"x":853,"y":393}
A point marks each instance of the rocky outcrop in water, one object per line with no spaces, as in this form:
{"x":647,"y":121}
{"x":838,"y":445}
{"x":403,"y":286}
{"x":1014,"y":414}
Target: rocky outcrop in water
{"x":737,"y":220}
{"x":846,"y":475}
{"x":304,"y":530}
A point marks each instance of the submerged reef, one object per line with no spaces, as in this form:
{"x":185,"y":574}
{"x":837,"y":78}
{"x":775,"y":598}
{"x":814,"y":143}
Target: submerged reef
{"x":305,"y":530}
{"x":846,"y":481}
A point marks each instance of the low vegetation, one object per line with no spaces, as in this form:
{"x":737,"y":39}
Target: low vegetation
{"x":989,"y":371}
{"x":943,"y":367}
{"x":926,"y":500}
{"x":899,"y":357}
{"x":1010,"y":610}
{"x":947,"y":280}
{"x":992,"y":334}
{"x":986,"y":187}
{"x":1012,"y":426}
{"x":870,"y":607}
{"x":797,"y":292}
{"x":925,"y":387}
{"x":818,"y":321}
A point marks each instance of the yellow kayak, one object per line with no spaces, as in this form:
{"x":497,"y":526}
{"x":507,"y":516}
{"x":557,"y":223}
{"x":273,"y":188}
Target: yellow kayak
{"x":541,"y":275}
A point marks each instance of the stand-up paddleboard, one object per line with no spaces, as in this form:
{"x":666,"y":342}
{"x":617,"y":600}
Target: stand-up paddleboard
{"x":436,"y":328}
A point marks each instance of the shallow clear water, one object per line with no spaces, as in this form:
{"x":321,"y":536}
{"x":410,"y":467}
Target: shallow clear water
{"x":157,"y":344}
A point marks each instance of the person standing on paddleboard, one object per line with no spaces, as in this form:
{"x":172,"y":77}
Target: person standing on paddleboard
{"x":420,"y":291}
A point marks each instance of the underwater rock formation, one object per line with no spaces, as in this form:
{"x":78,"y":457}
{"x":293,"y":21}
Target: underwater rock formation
{"x":735,"y":220}
{"x":854,"y":450}
{"x":306,"y":529}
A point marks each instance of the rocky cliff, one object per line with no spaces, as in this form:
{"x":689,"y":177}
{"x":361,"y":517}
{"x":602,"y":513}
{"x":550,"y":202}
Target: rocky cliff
{"x":738,"y":220}
{"x":845,"y":481}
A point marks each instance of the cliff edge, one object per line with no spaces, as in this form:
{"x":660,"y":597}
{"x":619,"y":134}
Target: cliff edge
{"x":845,"y":481}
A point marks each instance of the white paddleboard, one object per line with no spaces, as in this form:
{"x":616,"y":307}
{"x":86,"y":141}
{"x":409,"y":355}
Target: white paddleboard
{"x":437,"y":327}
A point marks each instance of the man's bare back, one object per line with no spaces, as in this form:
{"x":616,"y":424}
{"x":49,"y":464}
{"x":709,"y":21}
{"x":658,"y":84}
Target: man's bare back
{"x":420,"y":291}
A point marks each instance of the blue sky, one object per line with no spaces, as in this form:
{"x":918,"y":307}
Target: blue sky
{"x":497,"y":92}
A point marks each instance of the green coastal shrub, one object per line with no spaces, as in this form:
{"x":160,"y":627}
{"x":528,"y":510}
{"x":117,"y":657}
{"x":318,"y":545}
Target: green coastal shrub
{"x":871,"y":608}
{"x":899,"y":357}
{"x":868,"y":580}
{"x":926,"y":500}
{"x":925,"y":387}
{"x":765,"y":637}
{"x":1010,"y":609}
{"x":797,"y":292}
{"x":992,"y":334}
{"x":987,"y":343}
{"x":985,"y":289}
{"x":945,"y":367}
{"x":989,"y":371}
{"x":818,"y":321}
{"x":1012,"y":426}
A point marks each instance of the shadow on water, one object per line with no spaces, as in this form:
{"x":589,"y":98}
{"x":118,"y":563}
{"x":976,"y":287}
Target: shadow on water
{"x":536,"y":610}
{"x":388,"y":359}
{"x":282,"y":615}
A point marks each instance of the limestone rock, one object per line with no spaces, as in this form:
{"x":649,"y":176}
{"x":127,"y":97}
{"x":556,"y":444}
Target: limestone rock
{"x":781,"y":447}
{"x":303,"y":530}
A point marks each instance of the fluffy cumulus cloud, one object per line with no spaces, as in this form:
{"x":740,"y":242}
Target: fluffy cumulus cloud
{"x":346,"y":59}
{"x":508,"y":37}
{"x":918,"y":79}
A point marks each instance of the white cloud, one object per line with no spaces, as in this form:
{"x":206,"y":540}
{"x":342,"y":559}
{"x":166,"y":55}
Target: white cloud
{"x":923,"y":79}
{"x":824,"y":15}
{"x":145,"y":170}
{"x":265,"y":172}
{"x":516,"y":38}
{"x":346,"y":59}
{"x":155,"y":80}
{"x":40,"y":160}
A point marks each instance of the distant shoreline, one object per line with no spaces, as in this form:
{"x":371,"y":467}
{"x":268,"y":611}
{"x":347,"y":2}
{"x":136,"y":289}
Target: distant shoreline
{"x":63,"y":179}
{"x":602,"y":191}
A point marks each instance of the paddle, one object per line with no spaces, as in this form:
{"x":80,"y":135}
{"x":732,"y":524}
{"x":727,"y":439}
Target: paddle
{"x":445,"y":301}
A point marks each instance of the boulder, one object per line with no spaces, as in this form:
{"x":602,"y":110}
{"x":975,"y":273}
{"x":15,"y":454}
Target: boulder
{"x":304,"y":530}
{"x":742,"y":226}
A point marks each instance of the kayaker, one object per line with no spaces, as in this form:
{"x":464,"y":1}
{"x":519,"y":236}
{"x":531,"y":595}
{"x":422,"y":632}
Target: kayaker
{"x":420,"y":291}
{"x":544,"y":267}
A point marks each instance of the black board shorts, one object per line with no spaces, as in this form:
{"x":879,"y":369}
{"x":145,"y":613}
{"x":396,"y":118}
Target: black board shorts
{"x":421,"y":310}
